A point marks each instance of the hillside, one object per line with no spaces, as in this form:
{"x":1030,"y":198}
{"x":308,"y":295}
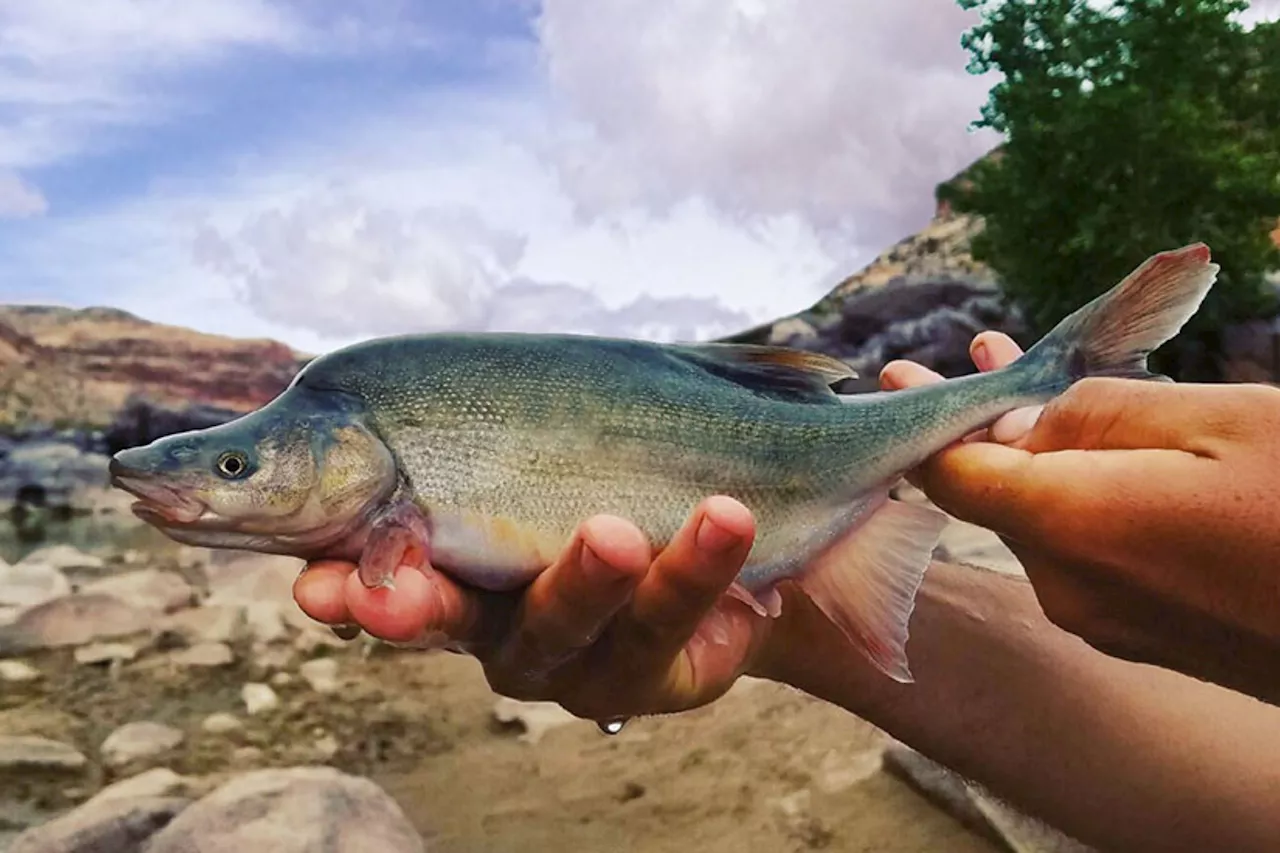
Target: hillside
{"x":68,"y":366}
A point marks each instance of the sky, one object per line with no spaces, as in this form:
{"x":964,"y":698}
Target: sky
{"x":324,"y":171}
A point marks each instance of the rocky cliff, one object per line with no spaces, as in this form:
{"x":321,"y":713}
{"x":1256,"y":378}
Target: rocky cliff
{"x":80,"y":367}
{"x":924,"y":299}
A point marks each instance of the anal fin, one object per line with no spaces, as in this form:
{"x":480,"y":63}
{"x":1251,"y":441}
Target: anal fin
{"x":866,"y":581}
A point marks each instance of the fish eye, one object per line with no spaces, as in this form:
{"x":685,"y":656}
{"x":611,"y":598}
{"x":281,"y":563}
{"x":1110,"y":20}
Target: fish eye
{"x":233,"y":464}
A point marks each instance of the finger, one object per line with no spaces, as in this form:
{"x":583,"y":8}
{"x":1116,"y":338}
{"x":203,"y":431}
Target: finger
{"x":1124,"y":414}
{"x":685,"y":581}
{"x":320,"y":591}
{"x":568,"y":606}
{"x":423,"y":604}
{"x":726,"y":640}
{"x":1079,"y":502}
{"x":900,"y":373}
{"x":1003,"y":489}
{"x":993,"y":350}
{"x":988,"y":350}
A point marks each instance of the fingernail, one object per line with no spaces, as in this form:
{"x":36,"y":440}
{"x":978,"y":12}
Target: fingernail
{"x":981,"y":356}
{"x":714,"y":538}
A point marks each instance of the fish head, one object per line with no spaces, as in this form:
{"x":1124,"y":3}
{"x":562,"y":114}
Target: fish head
{"x":295,"y":477}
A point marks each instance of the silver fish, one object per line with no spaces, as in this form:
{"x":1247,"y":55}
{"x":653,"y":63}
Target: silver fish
{"x":483,"y":452}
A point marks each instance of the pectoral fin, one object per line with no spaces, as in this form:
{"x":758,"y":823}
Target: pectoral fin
{"x":398,"y":537}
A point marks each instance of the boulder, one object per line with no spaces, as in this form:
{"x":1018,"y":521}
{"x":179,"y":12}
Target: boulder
{"x":295,"y":810}
{"x":111,"y":825}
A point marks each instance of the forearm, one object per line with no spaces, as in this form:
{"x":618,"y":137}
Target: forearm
{"x":1121,"y":756}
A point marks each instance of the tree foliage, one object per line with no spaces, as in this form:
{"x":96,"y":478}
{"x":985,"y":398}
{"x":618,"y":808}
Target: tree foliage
{"x":1131,"y":127}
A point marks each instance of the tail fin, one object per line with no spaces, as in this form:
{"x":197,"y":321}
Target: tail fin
{"x":1114,"y":334}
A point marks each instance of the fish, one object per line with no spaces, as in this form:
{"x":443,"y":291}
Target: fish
{"x":481,"y":453}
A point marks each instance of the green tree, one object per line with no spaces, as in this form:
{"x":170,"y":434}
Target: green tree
{"x":1130,"y":127}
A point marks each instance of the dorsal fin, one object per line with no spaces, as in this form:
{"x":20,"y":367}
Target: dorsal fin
{"x":772,"y":368}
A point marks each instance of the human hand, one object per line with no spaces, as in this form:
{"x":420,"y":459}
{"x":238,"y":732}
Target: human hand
{"x":1144,"y":513}
{"x":609,"y":631}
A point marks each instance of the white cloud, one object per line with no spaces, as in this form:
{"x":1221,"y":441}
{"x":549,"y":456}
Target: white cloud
{"x":18,"y":199}
{"x":847,"y":112}
{"x":374,"y":258}
{"x":69,"y":71}
{"x":700,"y":166}
{"x":1261,"y":10}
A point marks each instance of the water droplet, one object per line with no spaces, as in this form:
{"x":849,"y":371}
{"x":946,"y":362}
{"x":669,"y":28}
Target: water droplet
{"x":612,"y":727}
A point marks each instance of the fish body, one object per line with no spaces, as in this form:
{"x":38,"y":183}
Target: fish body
{"x":482,"y":453}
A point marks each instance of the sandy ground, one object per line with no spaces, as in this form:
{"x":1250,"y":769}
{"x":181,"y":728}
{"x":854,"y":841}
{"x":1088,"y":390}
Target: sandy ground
{"x":765,"y":768}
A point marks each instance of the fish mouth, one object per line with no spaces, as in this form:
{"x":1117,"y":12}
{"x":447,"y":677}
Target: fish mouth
{"x":157,"y":502}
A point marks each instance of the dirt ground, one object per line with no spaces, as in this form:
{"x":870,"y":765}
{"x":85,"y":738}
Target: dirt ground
{"x":764,"y":769}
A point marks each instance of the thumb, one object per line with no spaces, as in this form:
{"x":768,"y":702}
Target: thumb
{"x":1104,"y":413}
{"x":1005,"y":489}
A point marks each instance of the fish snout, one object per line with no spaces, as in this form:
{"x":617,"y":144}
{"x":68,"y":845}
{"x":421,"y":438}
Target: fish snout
{"x":159,"y":498}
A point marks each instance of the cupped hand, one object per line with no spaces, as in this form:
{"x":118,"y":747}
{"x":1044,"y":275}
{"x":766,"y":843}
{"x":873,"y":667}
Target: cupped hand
{"x":610,"y":630}
{"x":1144,"y":513}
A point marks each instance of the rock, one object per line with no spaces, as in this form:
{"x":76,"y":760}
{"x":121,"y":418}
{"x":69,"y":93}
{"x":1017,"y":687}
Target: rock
{"x":281,"y":679}
{"x":923,"y":299}
{"x":210,"y":623}
{"x":839,"y":772}
{"x":64,"y":558}
{"x":311,"y":635}
{"x":29,"y":753}
{"x":795,"y":804}
{"x":111,"y":825}
{"x":246,"y":756}
{"x":221,"y":723}
{"x":72,"y":620}
{"x":966,"y":803}
{"x":264,"y":622}
{"x":105,"y":653}
{"x":157,"y":782}
{"x":28,"y":584}
{"x":536,"y":718}
{"x":791,"y":330}
{"x":321,"y":674}
{"x":149,"y":589}
{"x":139,"y":741}
{"x":326,"y":747}
{"x":142,"y":421}
{"x":51,"y":474}
{"x":296,"y":810}
{"x":259,"y":698}
{"x":17,"y":672}
{"x":1023,"y":833}
{"x":252,"y":578}
{"x":204,"y":654}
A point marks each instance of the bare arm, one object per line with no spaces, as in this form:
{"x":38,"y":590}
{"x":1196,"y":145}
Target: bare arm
{"x":1121,"y":755}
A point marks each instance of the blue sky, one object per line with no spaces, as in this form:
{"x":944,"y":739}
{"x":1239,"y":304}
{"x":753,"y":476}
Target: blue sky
{"x":326,"y":170}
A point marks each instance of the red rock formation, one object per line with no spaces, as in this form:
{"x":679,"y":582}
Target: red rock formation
{"x":60,"y":365}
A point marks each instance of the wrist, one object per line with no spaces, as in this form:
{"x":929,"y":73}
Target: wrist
{"x":805,"y":650}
